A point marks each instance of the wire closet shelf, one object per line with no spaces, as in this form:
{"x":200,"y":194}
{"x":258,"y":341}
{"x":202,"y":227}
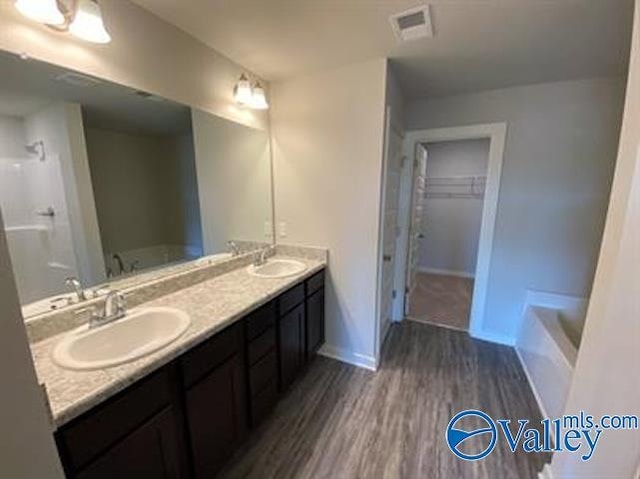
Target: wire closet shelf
{"x":464,"y":187}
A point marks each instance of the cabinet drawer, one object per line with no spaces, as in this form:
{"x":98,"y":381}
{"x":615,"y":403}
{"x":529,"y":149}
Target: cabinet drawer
{"x":262,"y":372}
{"x":291,"y":298}
{"x":260,"y":320}
{"x":315,"y":283}
{"x":262,"y":345}
{"x":264,"y":402}
{"x":213,"y":352}
{"x":88,"y":436}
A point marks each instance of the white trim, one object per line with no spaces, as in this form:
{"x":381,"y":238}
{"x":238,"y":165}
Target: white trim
{"x":543,"y":411}
{"x":349,"y":357}
{"x":385,"y":333}
{"x":497,"y":133}
{"x":446,"y":272}
{"x":532,"y":385}
{"x":380,"y":245}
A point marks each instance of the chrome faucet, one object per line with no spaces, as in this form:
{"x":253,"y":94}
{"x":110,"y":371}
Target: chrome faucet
{"x":114,"y":308}
{"x":72,"y":281}
{"x":235,"y":251}
{"x":261,"y":256}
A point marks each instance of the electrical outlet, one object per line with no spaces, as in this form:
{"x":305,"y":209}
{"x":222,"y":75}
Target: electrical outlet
{"x":283,"y":229}
{"x":268,"y":233}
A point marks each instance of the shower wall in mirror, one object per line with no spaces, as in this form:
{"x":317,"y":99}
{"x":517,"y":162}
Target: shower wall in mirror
{"x":103,"y":183}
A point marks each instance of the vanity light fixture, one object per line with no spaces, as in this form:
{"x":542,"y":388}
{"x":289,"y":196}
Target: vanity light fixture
{"x":43,"y":11}
{"x":81,"y":18}
{"x":87,"y":23}
{"x":242,"y":91}
{"x":251,"y":97}
{"x":258,"y":98}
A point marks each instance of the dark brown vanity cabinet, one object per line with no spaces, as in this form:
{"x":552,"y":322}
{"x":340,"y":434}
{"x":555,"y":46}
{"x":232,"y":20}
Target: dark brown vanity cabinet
{"x":300,"y":327}
{"x":262,"y":361}
{"x":137,"y":433}
{"x":214,"y":399}
{"x":186,"y":419}
{"x":314,"y":289}
{"x":292,"y":354}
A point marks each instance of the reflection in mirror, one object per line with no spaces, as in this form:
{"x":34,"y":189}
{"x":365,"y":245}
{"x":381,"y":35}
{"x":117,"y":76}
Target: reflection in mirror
{"x":100,"y":183}
{"x":145,"y":189}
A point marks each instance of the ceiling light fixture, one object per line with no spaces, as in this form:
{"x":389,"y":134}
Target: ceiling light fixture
{"x":81,"y":18}
{"x":43,"y":11}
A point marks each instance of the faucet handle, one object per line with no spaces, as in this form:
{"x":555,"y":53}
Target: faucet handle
{"x":93,"y":317}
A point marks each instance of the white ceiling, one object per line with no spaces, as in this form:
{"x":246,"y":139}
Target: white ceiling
{"x":479,"y":44}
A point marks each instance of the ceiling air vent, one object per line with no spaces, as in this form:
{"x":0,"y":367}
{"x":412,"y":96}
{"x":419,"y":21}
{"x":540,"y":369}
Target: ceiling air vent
{"x":412,"y":24}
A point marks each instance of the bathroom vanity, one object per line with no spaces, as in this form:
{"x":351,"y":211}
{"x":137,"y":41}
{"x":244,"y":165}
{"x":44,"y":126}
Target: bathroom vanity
{"x":163,"y":320}
{"x":188,"y":416}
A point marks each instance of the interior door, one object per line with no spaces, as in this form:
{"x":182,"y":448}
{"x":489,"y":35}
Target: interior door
{"x":416,"y":232}
{"x":390,"y":231}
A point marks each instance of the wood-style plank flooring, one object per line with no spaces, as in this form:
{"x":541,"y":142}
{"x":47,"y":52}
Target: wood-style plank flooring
{"x":441,"y":299}
{"x":339,"y":421}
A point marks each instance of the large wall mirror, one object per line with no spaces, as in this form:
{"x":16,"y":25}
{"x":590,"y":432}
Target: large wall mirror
{"x":104,"y":184}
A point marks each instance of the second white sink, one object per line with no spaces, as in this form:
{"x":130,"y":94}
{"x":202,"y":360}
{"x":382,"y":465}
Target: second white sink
{"x":277,"y":268}
{"x":140,"y":332}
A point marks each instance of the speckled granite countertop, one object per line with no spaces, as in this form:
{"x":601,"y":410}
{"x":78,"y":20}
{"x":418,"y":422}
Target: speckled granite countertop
{"x":212,"y":305}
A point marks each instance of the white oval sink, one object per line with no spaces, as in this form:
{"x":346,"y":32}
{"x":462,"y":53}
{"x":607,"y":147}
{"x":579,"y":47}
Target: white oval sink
{"x":141,"y":332}
{"x":277,"y":268}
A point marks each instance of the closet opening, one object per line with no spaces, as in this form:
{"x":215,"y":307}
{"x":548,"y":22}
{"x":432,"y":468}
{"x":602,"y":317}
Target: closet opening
{"x":447,"y":216}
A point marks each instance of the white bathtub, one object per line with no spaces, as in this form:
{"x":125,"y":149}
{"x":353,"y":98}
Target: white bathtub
{"x":548,"y":345}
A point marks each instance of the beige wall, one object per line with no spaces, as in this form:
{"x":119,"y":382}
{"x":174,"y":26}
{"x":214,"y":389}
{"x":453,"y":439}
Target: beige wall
{"x":137,"y":190}
{"x":234,"y":179}
{"x":606,"y":379}
{"x":27,"y":450}
{"x":327,"y":146}
{"x":145,"y":53}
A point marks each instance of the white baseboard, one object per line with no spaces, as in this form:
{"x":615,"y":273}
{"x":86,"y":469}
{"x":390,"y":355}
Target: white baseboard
{"x":349,"y":357}
{"x":493,"y":337}
{"x":447,"y":272}
{"x":532,"y":385}
{"x":546,"y":472}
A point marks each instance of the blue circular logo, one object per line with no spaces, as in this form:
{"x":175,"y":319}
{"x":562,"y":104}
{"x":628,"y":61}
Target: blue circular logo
{"x":456,"y":437}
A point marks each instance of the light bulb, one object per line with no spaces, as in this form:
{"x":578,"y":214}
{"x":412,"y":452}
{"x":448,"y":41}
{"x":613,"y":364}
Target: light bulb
{"x":87,"y":23}
{"x":242,"y":91}
{"x":258,"y":98}
{"x":43,"y":11}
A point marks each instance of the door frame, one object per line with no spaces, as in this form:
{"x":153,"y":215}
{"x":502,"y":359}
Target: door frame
{"x":496,"y":133}
{"x":380,"y":334}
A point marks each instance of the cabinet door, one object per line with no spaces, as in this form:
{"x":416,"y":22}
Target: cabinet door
{"x":315,"y":323}
{"x":148,"y":452}
{"x":291,"y":334}
{"x":216,"y":416}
